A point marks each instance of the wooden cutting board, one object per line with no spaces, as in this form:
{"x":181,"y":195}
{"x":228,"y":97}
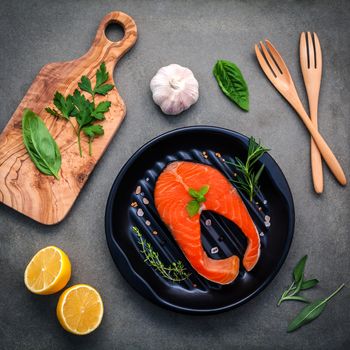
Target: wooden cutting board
{"x":22,"y":186}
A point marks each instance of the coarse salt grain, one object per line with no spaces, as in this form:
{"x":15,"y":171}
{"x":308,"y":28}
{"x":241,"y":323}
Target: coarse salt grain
{"x":145,"y":200}
{"x":140,"y":212}
{"x":262,"y":234}
{"x":267,"y":218}
{"x":138,"y":190}
{"x":214,"y":250}
{"x":148,"y":223}
{"x":208,"y":222}
{"x":267,"y":224}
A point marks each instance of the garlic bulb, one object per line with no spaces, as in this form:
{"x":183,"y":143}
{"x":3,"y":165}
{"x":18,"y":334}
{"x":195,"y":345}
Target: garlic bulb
{"x":174,"y":89}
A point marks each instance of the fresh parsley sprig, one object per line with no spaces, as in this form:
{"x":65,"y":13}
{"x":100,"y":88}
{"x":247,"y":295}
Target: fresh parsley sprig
{"x":247,"y":179}
{"x":85,"y":111}
{"x":175,"y":272}
{"x":193,"y":206}
{"x":100,"y":87}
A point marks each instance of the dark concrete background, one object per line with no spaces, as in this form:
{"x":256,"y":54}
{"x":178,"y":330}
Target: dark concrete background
{"x":194,"y":34}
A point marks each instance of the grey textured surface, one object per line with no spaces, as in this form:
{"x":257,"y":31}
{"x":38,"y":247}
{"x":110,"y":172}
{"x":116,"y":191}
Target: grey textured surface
{"x":193,"y":34}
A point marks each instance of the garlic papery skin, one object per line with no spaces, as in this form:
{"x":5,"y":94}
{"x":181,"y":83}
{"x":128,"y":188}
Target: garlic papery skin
{"x":174,"y":89}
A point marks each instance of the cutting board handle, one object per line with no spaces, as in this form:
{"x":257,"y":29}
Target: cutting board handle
{"x":112,"y":51}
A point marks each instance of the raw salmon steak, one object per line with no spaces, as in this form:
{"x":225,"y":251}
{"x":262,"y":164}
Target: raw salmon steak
{"x":171,"y":198}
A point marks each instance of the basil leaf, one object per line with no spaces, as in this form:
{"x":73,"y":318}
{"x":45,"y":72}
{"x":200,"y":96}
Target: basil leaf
{"x":204,"y":190}
{"x":42,"y":148}
{"x":309,"y":284}
{"x":192,"y":208}
{"x":193,"y":193}
{"x":232,"y":83}
{"x":298,"y":271}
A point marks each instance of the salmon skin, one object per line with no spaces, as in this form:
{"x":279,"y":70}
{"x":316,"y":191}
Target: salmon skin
{"x":171,"y":198}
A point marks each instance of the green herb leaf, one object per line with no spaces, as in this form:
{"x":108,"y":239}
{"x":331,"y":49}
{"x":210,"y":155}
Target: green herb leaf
{"x":103,"y":89}
{"x":64,"y":105}
{"x":100,"y":110}
{"x":42,"y":148}
{"x":93,"y":130}
{"x":101,"y":78}
{"x":175,"y":272}
{"x":193,"y":193}
{"x":232,"y":83}
{"x":298,"y":284}
{"x":53,"y":112}
{"x":204,"y":190}
{"x":298,"y":271}
{"x":192,"y":208}
{"x":311,"y":312}
{"x":101,"y":75}
{"x":296,"y":298}
{"x":309,"y":284}
{"x":85,"y":84}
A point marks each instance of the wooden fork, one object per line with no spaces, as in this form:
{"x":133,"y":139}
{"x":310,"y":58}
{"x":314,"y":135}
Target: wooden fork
{"x":277,"y":72}
{"x":311,"y":67}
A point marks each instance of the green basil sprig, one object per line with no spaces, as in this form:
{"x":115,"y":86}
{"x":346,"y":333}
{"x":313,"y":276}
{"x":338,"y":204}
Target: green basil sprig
{"x":193,"y":206}
{"x":311,"y":312}
{"x":232,"y":83}
{"x":42,"y":148}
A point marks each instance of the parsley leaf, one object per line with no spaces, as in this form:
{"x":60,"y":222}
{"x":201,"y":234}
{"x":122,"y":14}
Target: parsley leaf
{"x":101,"y":108}
{"x":64,"y":105}
{"x":91,"y":132}
{"x":85,"y":84}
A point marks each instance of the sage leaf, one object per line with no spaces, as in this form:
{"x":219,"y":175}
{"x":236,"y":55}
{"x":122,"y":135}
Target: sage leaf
{"x":298,"y":272}
{"x":232,"y":83}
{"x":295,"y":298}
{"x":309,"y":284}
{"x":42,"y":148}
{"x":311,"y":312}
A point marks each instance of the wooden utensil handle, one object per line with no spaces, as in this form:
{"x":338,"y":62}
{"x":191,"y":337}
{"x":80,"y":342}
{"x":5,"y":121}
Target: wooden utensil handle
{"x":111,"y":50}
{"x":316,"y":160}
{"x":322,"y":146}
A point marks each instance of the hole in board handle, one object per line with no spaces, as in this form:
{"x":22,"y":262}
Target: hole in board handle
{"x":114,"y":32}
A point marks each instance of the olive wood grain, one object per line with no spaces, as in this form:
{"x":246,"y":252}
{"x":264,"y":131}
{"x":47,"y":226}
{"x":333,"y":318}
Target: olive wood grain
{"x":22,"y":186}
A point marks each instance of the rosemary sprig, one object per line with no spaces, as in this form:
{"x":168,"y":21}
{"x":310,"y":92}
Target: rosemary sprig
{"x":175,"y":272}
{"x":247,"y":179}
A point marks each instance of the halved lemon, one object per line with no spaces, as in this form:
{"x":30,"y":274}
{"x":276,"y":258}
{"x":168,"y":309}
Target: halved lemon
{"x":80,"y":309}
{"x":48,"y":271}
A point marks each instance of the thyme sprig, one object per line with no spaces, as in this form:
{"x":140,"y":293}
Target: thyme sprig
{"x":247,"y":179}
{"x":175,"y":272}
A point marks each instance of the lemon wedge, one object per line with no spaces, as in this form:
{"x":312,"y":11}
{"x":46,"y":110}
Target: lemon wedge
{"x":48,"y":271}
{"x":80,"y":309}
